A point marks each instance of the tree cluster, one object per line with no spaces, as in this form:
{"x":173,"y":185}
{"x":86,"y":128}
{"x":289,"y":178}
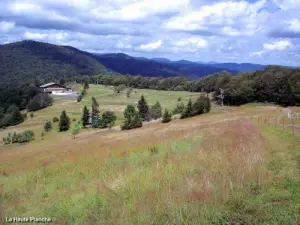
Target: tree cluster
{"x":11,"y":117}
{"x":200,"y":106}
{"x":39,"y":101}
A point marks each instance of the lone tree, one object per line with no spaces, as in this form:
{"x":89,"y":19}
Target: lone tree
{"x":188,"y":111}
{"x":108,"y":119}
{"x":64,"y":122}
{"x":167,"y":117}
{"x":95,"y":113}
{"x":85,"y":116}
{"x":156,"y":111}
{"x":86,"y":85}
{"x":132,"y":118}
{"x":144,"y":109}
{"x":76,"y":129}
{"x":129,"y":92}
{"x":48,"y":126}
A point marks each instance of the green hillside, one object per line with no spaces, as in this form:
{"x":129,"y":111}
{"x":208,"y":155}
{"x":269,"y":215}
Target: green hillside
{"x":30,"y":59}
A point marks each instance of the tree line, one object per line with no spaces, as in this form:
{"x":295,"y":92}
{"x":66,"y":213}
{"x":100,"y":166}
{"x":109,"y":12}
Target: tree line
{"x":274,"y":84}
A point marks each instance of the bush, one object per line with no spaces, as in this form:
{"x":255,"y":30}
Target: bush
{"x":55,"y":120}
{"x":48,"y":126}
{"x":23,"y":137}
{"x":79,"y":98}
{"x":31,"y":115}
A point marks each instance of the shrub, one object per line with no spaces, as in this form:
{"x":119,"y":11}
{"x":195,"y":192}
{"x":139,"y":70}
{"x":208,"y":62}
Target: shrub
{"x":48,"y":126}
{"x":79,"y":98}
{"x":55,"y":120}
{"x":153,"y":150}
{"x":31,"y":115}
{"x":23,"y":137}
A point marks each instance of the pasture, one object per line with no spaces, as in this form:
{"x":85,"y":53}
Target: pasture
{"x":230,"y":166}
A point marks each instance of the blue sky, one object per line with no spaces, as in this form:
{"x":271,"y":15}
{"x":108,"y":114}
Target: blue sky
{"x":262,"y":31}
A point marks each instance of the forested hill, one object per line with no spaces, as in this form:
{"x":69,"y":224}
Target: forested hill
{"x":30,"y":59}
{"x":125,"y":64}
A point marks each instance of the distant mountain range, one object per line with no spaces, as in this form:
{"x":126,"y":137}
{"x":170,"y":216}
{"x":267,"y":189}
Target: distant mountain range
{"x":31,"y":59}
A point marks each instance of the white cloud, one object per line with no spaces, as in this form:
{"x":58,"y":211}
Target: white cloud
{"x":227,"y":14}
{"x":193,"y":42}
{"x":6,"y":26}
{"x":57,"y":36}
{"x":139,"y":9}
{"x":152,"y":45}
{"x":259,"y":54}
{"x":294,"y":25}
{"x":278,"y":45}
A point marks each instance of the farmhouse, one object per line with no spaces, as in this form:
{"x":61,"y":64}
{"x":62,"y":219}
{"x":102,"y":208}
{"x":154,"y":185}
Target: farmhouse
{"x":54,"y":87}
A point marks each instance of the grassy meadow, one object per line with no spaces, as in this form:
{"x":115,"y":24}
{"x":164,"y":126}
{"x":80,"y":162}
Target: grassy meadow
{"x":235,"y":165}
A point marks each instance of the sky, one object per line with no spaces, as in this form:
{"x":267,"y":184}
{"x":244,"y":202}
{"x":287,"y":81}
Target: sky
{"x":255,"y":31}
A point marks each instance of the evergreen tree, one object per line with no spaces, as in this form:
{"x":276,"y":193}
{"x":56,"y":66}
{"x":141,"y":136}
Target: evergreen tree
{"x":48,"y":126}
{"x":95,"y":113}
{"x":199,"y":106}
{"x":188,"y":111}
{"x":85,"y":116}
{"x":132,"y":118}
{"x":143,"y":109}
{"x":64,"y":122}
{"x":108,"y":119}
{"x":62,"y":81}
{"x":179,"y":108}
{"x":13,"y":116}
{"x":207,"y":104}
{"x":156,"y":111}
{"x":86,"y":85}
{"x":167,"y":117}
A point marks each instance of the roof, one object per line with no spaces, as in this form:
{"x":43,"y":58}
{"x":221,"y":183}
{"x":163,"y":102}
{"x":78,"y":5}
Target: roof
{"x":50,"y":84}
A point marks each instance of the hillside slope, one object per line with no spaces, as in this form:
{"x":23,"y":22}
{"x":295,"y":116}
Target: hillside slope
{"x":31,"y":59}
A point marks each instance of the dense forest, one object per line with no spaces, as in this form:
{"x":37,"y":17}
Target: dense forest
{"x":24,"y":61}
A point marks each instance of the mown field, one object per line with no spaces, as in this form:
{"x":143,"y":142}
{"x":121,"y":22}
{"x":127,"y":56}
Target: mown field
{"x":107,"y":101}
{"x":235,"y":165}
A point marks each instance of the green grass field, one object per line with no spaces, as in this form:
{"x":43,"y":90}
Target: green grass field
{"x":226,"y":167}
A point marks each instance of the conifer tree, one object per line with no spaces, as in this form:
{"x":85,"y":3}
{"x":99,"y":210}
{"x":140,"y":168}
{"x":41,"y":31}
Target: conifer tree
{"x":86,"y":85}
{"x":207,"y":104}
{"x":64,"y":122}
{"x":48,"y":126}
{"x":85,"y":116}
{"x":132,"y":118}
{"x":95,"y":112}
{"x":144,"y":109}
{"x":167,"y":117}
{"x":156,"y":111}
{"x":199,"y":106}
{"x":188,"y":111}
